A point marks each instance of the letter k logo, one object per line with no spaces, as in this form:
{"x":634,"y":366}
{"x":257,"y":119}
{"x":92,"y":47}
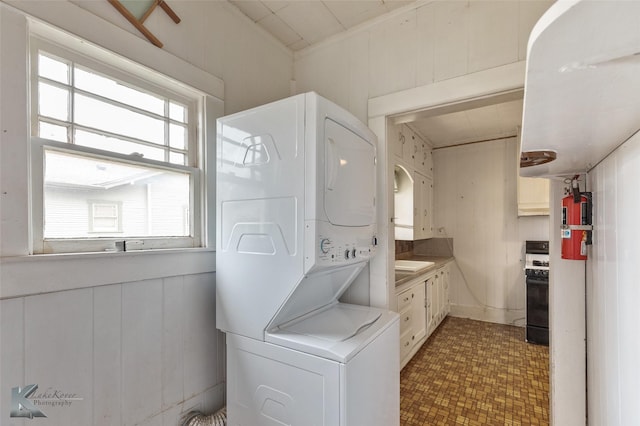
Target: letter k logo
{"x":21,"y":406}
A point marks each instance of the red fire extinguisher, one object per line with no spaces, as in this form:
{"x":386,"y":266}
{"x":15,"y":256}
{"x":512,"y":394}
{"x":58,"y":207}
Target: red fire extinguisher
{"x":576,"y":224}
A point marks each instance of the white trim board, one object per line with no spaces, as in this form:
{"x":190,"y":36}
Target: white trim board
{"x":468,"y":87}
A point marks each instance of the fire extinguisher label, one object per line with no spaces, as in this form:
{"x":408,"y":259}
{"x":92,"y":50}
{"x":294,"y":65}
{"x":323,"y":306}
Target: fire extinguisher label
{"x":566,"y":233}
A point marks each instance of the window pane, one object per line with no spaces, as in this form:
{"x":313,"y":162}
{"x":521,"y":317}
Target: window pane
{"x":94,"y":140}
{"x":154,"y":202}
{"x":53,"y":69}
{"x":177,"y":158}
{"x":177,"y":112}
{"x":53,"y":101}
{"x":103,"y":116}
{"x":177,"y":136}
{"x":52,"y":131}
{"x":94,"y":83}
{"x":105,"y":210}
{"x":103,"y":224}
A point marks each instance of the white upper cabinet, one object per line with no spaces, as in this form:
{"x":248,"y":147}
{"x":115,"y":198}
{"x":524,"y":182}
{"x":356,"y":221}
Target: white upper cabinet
{"x":423,"y":207}
{"x":423,"y":158}
{"x":411,"y":150}
{"x":582,"y":82}
{"x":533,"y":196}
{"x":404,"y":147}
{"x":413,"y":184}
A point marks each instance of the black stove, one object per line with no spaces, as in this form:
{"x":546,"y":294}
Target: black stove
{"x":537,"y":285}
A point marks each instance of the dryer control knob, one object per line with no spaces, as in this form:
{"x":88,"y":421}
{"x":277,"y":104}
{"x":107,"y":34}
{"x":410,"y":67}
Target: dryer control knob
{"x":325,"y":244}
{"x":347,"y":253}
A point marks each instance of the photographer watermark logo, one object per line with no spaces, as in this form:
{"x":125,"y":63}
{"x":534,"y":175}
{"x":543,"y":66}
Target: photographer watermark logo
{"x":25,"y":402}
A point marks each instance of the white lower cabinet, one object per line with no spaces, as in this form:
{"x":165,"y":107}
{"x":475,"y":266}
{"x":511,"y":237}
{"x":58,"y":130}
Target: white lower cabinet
{"x":413,"y":325}
{"x":422,"y":304}
{"x":438,"y":293}
{"x":432,"y":303}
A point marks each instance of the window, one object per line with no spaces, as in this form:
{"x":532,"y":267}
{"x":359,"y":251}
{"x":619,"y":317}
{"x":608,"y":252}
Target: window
{"x":104,"y":216}
{"x":112,"y":144}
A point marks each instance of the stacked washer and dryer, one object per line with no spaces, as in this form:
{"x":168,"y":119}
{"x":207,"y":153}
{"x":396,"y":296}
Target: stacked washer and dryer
{"x":296,"y":224}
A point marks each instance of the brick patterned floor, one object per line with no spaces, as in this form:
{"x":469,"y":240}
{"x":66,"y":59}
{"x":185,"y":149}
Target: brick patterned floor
{"x":476,"y":373}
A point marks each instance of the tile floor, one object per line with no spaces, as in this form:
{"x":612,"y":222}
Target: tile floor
{"x":476,"y":373}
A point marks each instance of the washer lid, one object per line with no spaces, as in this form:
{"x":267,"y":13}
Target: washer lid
{"x":335,"y":325}
{"x":338,"y":332}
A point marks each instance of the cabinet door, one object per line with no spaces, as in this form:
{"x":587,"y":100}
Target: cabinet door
{"x":442,"y":295}
{"x":435,"y":302}
{"x":423,"y":206}
{"x":446,"y":278}
{"x":423,"y":161}
{"x":398,"y":138}
{"x":404,"y":145}
{"x":429,"y":305}
{"x":418,"y":308}
{"x":533,"y":196}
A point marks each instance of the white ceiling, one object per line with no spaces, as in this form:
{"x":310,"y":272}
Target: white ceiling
{"x":301,"y":23}
{"x":471,"y":125}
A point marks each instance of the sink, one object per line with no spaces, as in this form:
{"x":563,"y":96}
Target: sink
{"x":412,"y":265}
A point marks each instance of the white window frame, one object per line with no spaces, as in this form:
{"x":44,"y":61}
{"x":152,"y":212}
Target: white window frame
{"x":138,"y":76}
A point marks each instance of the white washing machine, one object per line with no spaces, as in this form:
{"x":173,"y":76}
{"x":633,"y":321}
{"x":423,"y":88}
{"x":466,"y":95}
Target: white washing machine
{"x":322,"y":370}
{"x":296,"y":225}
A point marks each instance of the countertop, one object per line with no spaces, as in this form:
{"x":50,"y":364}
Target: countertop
{"x":405,"y":277}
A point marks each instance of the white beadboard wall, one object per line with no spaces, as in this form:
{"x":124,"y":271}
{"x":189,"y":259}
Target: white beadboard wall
{"x":416,"y":46}
{"x":567,"y":363}
{"x":475,"y":204}
{"x":137,"y":351}
{"x":613,"y":293}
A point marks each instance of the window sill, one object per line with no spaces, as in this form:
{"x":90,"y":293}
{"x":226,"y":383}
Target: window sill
{"x":46,"y":273}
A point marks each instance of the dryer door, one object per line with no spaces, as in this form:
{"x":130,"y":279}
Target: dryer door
{"x":350,"y":177}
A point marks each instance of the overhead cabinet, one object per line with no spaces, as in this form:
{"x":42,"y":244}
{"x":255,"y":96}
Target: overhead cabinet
{"x":413,"y":184}
{"x":423,"y":207}
{"x":411,"y":150}
{"x":533,"y":196}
